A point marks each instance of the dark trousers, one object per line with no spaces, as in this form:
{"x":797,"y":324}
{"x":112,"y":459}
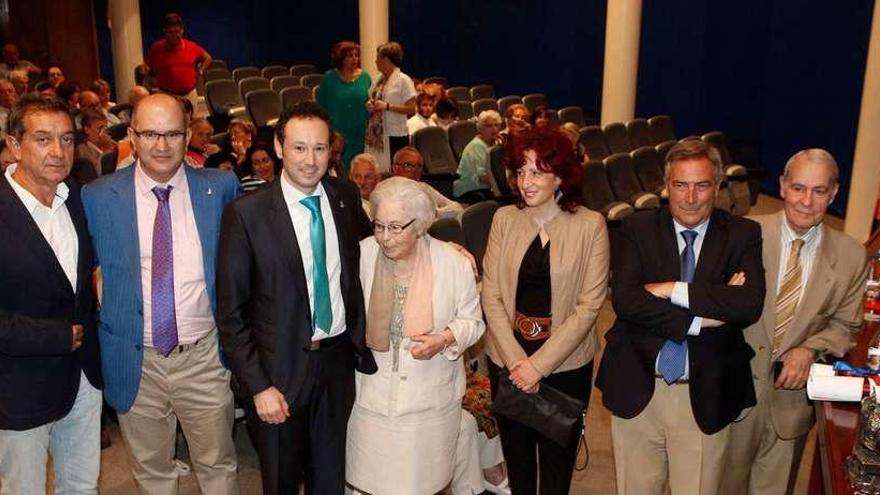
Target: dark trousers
{"x":520,"y":443}
{"x":310,"y":446}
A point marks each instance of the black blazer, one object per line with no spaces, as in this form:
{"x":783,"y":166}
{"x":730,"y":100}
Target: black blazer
{"x":38,"y":371}
{"x":264,"y":316}
{"x":720,"y":377}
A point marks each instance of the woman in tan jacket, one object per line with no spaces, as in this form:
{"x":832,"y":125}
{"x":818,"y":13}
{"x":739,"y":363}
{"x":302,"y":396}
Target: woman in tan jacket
{"x":545,"y":277}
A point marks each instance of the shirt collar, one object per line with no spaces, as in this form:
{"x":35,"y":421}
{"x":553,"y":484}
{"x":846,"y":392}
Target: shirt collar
{"x":810,"y":237}
{"x":30,"y":201}
{"x":293,"y":195}
{"x":699,"y":229}
{"x":144,"y":184}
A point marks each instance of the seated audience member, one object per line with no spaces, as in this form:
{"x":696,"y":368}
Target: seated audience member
{"x":408,"y":163}
{"x":8,"y":97}
{"x":571,"y":131}
{"x":239,"y":136}
{"x":445,"y":112}
{"x":222,"y":161}
{"x":200,"y":145}
{"x":12,"y":63}
{"x":540,"y":119}
{"x":259,"y":167}
{"x":55,"y":76}
{"x":517,"y":119}
{"x":7,"y":158}
{"x":98,"y":142}
{"x":102,"y":88}
{"x":335,"y":167}
{"x":188,"y":108}
{"x":89,"y":100}
{"x":365,"y":173}
{"x":68,"y":92}
{"x":20,"y":80}
{"x":135,"y":94}
{"x":44,"y":88}
{"x":424,"y":111}
{"x":474,"y":171}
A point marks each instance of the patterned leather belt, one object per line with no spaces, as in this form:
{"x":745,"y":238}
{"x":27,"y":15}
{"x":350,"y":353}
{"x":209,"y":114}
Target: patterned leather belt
{"x":532,"y":328}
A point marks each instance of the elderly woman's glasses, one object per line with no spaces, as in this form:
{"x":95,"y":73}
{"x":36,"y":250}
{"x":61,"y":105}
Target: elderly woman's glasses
{"x":408,"y":165}
{"x":391,"y":228}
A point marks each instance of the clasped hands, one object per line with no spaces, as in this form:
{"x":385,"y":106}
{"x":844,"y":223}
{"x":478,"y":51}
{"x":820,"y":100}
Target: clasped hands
{"x":525,"y":376}
{"x":663,"y":290}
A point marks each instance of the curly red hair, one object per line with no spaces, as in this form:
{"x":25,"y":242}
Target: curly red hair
{"x":554,"y":154}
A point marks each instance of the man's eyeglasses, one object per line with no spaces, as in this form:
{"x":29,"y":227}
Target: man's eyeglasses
{"x":153,"y":136}
{"x":408,"y":165}
{"x":391,"y":228}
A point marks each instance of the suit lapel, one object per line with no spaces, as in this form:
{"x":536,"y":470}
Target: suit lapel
{"x":772,"y":239}
{"x":83,"y":262}
{"x":123,"y":214}
{"x":343,"y":231}
{"x":712,"y":248}
{"x":282,"y":226}
{"x":668,"y":247}
{"x":200,"y":195}
{"x":22,"y":223}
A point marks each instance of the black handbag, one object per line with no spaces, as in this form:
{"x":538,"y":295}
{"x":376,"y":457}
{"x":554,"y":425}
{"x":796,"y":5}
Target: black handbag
{"x":548,"y":411}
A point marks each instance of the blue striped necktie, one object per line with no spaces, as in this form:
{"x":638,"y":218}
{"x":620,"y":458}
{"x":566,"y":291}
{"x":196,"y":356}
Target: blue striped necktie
{"x":673,"y":354}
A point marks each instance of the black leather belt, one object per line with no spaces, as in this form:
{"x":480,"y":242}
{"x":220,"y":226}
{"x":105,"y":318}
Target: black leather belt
{"x":323,"y":344}
{"x":178,"y":349}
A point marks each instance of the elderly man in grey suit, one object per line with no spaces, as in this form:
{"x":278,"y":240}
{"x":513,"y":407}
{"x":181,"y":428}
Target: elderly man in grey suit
{"x":813,"y":307}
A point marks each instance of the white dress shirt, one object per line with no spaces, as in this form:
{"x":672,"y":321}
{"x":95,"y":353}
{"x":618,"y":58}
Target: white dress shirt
{"x":54,"y":223}
{"x":301,"y":217}
{"x":191,"y":301}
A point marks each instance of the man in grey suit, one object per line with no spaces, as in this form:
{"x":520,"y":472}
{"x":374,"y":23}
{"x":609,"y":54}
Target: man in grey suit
{"x":815,"y":280}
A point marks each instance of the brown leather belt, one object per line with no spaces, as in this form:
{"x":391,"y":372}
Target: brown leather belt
{"x":680,"y":381}
{"x":532,"y":328}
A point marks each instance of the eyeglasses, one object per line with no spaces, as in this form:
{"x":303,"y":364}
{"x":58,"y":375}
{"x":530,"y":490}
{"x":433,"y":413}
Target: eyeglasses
{"x":153,"y":136}
{"x":392,"y":228}
{"x":408,"y":165}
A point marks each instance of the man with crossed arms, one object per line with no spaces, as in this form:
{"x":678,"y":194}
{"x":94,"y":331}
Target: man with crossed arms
{"x":815,"y":280}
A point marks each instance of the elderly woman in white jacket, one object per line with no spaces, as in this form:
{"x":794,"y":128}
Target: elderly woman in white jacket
{"x":423,"y":311}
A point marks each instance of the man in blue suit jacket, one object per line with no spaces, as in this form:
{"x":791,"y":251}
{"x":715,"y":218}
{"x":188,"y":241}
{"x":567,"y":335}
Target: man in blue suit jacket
{"x":155,"y":228}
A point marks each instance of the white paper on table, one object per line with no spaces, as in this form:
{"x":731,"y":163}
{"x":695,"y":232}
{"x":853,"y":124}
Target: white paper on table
{"x":818,"y":369}
{"x":835,"y":388}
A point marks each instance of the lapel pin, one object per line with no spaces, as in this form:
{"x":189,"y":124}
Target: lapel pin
{"x":341,"y":204}
{"x":210,"y":191}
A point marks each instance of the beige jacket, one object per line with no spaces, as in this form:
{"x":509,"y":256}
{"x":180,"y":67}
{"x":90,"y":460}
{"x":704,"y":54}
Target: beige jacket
{"x":826,"y":320}
{"x":579,"y":257}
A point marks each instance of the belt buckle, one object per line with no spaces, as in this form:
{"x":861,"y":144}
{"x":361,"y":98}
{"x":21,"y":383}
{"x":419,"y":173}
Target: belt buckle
{"x":314,"y":345}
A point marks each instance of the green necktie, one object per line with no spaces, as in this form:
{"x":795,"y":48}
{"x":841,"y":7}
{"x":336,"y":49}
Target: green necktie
{"x":322,"y":317}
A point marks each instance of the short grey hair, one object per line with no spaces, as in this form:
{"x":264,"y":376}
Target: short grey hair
{"x":688,"y":149}
{"x":365,"y":157}
{"x":18,"y":74}
{"x":817,"y":156}
{"x":410,"y":193}
{"x":488,"y":117}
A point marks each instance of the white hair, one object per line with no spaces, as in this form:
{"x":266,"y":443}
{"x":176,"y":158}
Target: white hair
{"x":488,"y":117}
{"x":817,"y":156}
{"x":410,"y":193}
{"x":365,"y":157}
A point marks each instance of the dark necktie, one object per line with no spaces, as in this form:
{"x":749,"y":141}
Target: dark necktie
{"x":323,"y":313}
{"x":674,"y":354}
{"x":164,"y":316}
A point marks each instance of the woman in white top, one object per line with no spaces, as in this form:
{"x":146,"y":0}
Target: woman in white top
{"x":392,"y":100}
{"x":423,"y":311}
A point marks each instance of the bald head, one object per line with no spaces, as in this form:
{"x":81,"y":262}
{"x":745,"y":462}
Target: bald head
{"x":159,"y":134}
{"x":136,"y":94}
{"x":149,"y":107}
{"x":89,"y":100}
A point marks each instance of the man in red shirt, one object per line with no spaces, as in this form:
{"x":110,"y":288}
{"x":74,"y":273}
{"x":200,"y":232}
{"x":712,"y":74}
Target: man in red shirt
{"x":177,"y":62}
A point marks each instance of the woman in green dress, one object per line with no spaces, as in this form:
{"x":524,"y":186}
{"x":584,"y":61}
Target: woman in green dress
{"x":343,"y":93}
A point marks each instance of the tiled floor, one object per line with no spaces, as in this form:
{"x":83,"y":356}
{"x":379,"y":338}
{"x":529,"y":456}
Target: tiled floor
{"x":598,"y":478}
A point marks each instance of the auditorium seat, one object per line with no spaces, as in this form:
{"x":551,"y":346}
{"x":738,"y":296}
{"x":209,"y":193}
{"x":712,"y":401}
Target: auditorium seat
{"x":263,"y":106}
{"x":311,"y":80}
{"x":499,"y":171}
{"x":433,"y":144}
{"x":121,"y":110}
{"x":663,"y":149}
{"x":484,"y":104}
{"x":553,"y":118}
{"x":302,"y":69}
{"x":249,"y":84}
{"x":598,"y":195}
{"x":661,"y":128}
{"x":280,"y":82}
{"x":460,"y":93}
{"x":436,"y":80}
{"x":476,"y":220}
{"x":216,"y":75}
{"x":223,"y":98}
{"x":625,"y":184}
{"x":593,"y":142}
{"x":736,"y":175}
{"x":649,"y":167}
{"x":506,"y":101}
{"x":465,"y":110}
{"x":295,"y":94}
{"x":118,"y":131}
{"x":271,"y":71}
{"x":533,"y":101}
{"x":460,"y":134}
{"x":315,"y":91}
{"x":574,"y":114}
{"x":615,"y":136}
{"x":639,"y":133}
{"x":108,"y":161}
{"x":217,"y":64}
{"x":447,"y":229}
{"x":243,"y":72}
{"x":482,"y":91}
